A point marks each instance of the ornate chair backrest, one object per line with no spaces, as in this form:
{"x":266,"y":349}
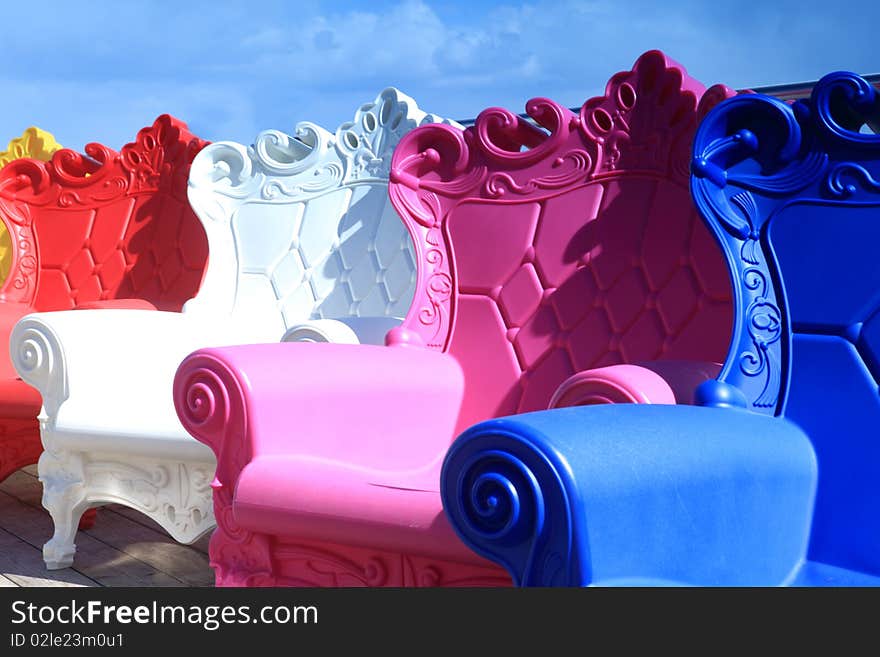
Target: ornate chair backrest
{"x":792,"y":194}
{"x":300,"y":227}
{"x":549,"y":250}
{"x":38,"y":145}
{"x":105,"y":225}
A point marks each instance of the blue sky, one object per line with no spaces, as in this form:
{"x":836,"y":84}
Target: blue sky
{"x":100,"y":70}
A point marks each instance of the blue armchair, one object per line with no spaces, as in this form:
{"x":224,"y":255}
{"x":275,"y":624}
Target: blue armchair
{"x":772,"y":477}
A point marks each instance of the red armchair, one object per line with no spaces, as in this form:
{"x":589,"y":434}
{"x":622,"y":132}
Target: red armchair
{"x":103,"y":229}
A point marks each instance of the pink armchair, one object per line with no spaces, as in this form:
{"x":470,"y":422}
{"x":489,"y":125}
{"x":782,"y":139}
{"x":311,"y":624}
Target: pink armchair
{"x":550,"y":258}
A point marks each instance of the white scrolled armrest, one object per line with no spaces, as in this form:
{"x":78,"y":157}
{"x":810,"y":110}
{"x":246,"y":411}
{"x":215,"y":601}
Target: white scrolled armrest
{"x":108,"y":366}
{"x":349,"y":330}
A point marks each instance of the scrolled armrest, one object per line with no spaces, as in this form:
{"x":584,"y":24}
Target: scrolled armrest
{"x":585,"y":495}
{"x":94,"y":353}
{"x":211,"y":400}
{"x":376,"y":407}
{"x":38,"y":358}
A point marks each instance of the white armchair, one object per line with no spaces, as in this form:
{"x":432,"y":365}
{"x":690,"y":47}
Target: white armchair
{"x":304,"y":245}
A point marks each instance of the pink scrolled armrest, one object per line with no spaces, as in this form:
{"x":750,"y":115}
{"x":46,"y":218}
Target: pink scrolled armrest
{"x":392,"y":408}
{"x":657,"y":382}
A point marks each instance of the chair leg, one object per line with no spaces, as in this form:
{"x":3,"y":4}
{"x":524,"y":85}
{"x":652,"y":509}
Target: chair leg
{"x":58,"y":552}
{"x":65,"y":500}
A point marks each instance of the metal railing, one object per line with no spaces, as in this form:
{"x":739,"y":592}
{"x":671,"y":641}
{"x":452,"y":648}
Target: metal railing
{"x":798,"y":90}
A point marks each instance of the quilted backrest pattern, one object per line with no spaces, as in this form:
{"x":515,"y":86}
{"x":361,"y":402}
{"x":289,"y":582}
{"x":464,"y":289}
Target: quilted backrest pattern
{"x":33,"y":143}
{"x":569,"y":245}
{"x":301,"y":228}
{"x":792,"y":193}
{"x":106,"y":225}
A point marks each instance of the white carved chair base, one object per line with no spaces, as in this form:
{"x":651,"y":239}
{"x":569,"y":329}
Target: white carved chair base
{"x":174,"y":493}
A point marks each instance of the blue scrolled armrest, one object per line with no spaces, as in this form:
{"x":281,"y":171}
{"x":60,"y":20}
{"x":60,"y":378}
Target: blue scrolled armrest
{"x":634,"y":493}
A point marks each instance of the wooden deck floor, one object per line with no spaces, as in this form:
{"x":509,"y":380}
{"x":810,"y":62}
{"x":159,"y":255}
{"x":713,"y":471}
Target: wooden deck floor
{"x":124,"y":548}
